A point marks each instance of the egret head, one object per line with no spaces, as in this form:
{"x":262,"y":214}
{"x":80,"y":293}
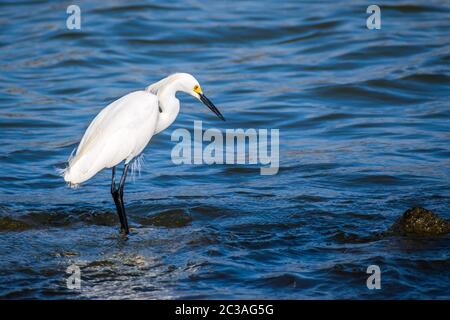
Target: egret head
{"x":191,"y":86}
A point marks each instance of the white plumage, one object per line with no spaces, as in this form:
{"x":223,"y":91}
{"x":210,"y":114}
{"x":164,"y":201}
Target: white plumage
{"x":121,"y":131}
{"x":117,"y":133}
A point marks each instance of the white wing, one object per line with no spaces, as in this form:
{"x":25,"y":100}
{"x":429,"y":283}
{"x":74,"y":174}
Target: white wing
{"x":119,"y":132}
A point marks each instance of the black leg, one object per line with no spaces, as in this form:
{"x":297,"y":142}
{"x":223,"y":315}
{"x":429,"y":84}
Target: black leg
{"x":121,"y":187}
{"x":118,"y":202}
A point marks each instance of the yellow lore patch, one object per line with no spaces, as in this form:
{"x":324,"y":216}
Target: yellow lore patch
{"x":197,"y":89}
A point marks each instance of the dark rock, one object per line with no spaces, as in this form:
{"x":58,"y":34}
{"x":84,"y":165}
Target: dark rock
{"x":10,"y":224}
{"x":173,"y":218}
{"x":421,"y":222}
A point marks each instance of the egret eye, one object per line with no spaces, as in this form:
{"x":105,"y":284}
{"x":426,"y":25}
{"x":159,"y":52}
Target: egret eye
{"x":197,"y":89}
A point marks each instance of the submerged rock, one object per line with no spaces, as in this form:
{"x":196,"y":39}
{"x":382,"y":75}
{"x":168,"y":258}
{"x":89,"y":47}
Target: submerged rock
{"x":421,"y":222}
{"x":10,"y":224}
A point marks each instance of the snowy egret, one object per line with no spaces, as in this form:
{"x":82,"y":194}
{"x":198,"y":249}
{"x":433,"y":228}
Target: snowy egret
{"x":122,"y":129}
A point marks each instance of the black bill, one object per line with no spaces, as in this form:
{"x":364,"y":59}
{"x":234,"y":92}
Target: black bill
{"x":211,"y":106}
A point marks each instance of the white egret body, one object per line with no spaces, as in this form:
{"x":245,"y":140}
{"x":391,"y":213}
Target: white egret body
{"x":121,"y":131}
{"x":117,"y":133}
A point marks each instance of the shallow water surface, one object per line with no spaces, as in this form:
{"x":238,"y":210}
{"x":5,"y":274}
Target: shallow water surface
{"x":364,"y":134}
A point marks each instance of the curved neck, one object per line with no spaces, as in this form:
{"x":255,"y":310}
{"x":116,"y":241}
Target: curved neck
{"x":170,"y":106}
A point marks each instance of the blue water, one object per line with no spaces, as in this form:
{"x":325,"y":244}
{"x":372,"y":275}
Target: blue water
{"x":364,"y":135}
